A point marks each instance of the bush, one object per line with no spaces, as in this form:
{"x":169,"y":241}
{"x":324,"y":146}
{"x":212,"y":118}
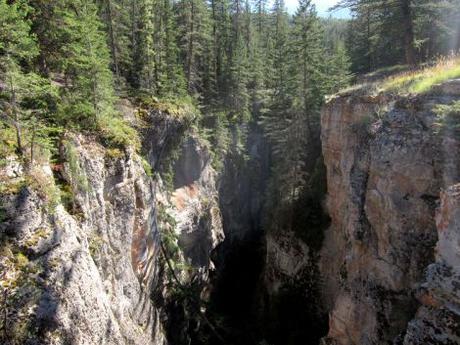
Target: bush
{"x":116,"y":132}
{"x":449,"y":118}
{"x":147,"y":167}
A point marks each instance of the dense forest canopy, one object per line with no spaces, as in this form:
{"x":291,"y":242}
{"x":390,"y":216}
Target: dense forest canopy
{"x":64,"y":64}
{"x":389,"y":32}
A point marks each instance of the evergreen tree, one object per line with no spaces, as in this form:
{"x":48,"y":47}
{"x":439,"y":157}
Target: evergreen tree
{"x":195,"y":37}
{"x":221,"y":38}
{"x":117,"y":19}
{"x":24,"y":96}
{"x":169,"y":72}
{"x":88,"y":89}
{"x":145,"y":56}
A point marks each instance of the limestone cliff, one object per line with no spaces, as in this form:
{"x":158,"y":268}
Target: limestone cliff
{"x":386,"y":166}
{"x":81,"y":240}
{"x":87,"y":272}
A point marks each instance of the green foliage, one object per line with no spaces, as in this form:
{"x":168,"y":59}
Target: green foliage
{"x":20,"y":292}
{"x":169,"y":237}
{"x":303,"y":72}
{"x":15,"y":41}
{"x":89,"y":97}
{"x":77,"y":174}
{"x":407,"y":32}
{"x":115,"y":132}
{"x":46,"y":188}
{"x":449,"y":119}
{"x":216,"y":131}
{"x":147,"y":167}
{"x":12,"y":186}
{"x":26,"y":97}
{"x":95,"y":244}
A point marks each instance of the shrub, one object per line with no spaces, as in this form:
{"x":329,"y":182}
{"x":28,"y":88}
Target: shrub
{"x":77,"y":174}
{"x":116,"y":132}
{"x":448,"y":118}
{"x":147,"y":167}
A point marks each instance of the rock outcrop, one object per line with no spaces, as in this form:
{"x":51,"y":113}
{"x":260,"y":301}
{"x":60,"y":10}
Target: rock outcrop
{"x":438,"y":319}
{"x":386,"y":166}
{"x":82,"y":258}
{"x":87,"y":270}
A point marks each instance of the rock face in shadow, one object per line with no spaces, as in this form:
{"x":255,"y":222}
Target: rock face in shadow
{"x":386,"y":166}
{"x":438,"y":319}
{"x":240,"y":258}
{"x":194,"y":205}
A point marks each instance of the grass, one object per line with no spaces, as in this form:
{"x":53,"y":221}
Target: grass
{"x":423,"y":80}
{"x":76,"y":171}
{"x":388,"y":70}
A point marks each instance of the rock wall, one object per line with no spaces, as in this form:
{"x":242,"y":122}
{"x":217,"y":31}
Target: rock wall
{"x":438,"y":319}
{"x":86,"y":274}
{"x":386,"y":166}
{"x":81,"y":251}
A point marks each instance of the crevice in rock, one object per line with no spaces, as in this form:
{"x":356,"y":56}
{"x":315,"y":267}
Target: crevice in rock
{"x":243,"y":304}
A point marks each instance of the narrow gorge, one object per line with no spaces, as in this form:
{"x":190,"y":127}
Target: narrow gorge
{"x":189,"y":255}
{"x":229,"y":172}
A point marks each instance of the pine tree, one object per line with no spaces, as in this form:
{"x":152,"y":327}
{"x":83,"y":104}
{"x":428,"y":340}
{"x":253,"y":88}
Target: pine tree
{"x":221,"y":28}
{"x":88,"y":90}
{"x":169,"y":72}
{"x":309,"y":54}
{"x":337,"y":69}
{"x":145,"y":56}
{"x":24,"y":95}
{"x":398,"y":12}
{"x":195,"y":36}
{"x":116,"y":15}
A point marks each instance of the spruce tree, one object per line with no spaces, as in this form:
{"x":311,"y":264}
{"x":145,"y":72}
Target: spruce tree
{"x":25,"y":95}
{"x":194,"y":38}
{"x":88,"y":90}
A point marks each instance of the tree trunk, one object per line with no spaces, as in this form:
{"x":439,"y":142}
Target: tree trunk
{"x":113,"y":48}
{"x":408,"y":32}
{"x":16,"y":120}
{"x":368,"y":40}
{"x":32,"y":146}
{"x":190,"y":46}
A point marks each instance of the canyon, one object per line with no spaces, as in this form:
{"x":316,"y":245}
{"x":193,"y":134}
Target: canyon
{"x":187,"y":256}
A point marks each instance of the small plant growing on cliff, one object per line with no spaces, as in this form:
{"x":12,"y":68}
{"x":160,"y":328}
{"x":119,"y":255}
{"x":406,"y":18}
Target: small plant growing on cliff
{"x":147,"y":167}
{"x":448,"y":118}
{"x":95,"y":244}
{"x":77,"y":175}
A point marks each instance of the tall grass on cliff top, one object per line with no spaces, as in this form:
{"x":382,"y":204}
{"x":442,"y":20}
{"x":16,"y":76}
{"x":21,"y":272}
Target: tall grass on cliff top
{"x":421,"y":81}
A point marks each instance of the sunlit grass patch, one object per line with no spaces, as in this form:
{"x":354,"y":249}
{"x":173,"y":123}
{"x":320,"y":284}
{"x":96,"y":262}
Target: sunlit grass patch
{"x":388,"y":70}
{"x":423,"y":80}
